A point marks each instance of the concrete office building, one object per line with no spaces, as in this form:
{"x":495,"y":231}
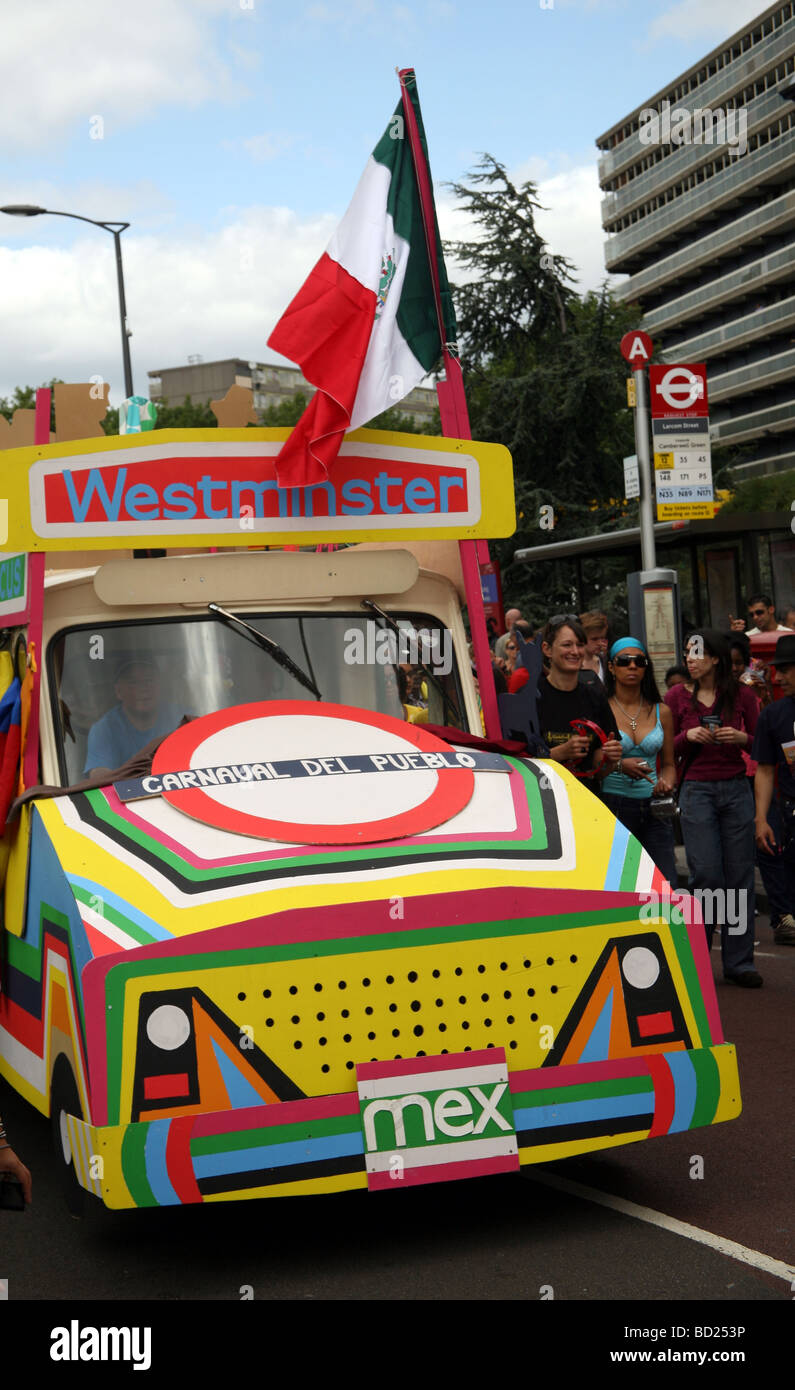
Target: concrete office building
{"x":699,"y":209}
{"x":208,"y":381}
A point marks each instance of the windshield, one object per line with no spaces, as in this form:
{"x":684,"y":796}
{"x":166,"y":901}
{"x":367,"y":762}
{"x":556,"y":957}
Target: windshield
{"x":119,"y":686}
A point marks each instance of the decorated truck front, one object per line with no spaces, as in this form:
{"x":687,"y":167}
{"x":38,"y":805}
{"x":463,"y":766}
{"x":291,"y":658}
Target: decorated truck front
{"x":310,"y":945}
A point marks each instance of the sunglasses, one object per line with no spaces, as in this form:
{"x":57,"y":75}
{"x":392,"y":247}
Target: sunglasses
{"x":558,"y":619}
{"x":630,"y":661}
{"x":757,"y":612}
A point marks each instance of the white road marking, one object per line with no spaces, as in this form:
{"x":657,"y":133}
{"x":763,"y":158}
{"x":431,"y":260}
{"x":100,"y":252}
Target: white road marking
{"x":668,"y":1223}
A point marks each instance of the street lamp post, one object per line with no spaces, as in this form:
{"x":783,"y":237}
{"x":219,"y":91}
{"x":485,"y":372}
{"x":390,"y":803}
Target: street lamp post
{"x":115,"y":229}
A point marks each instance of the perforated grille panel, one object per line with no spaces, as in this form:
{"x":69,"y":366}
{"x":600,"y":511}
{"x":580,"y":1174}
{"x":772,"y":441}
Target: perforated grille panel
{"x":317,"y":1018}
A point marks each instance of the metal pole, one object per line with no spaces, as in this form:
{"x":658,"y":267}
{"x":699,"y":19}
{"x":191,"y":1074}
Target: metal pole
{"x":125,"y":335}
{"x":453,"y":414}
{"x":116,"y":229}
{"x":647,"y":547}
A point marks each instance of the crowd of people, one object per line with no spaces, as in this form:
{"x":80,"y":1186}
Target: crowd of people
{"x":714,"y":756}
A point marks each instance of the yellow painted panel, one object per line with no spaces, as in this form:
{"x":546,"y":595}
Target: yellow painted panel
{"x":16,"y":881}
{"x":549,"y":1153}
{"x":50,"y":493}
{"x":730,"y":1104}
{"x":505,"y":992}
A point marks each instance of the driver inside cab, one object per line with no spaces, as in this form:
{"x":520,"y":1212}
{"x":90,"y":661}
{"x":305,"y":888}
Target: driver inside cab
{"x":139,"y":716}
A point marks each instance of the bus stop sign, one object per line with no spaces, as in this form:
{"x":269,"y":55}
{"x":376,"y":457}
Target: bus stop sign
{"x":636,"y":348}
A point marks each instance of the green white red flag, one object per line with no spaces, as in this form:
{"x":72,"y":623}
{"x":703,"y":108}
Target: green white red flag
{"x":364,"y":328}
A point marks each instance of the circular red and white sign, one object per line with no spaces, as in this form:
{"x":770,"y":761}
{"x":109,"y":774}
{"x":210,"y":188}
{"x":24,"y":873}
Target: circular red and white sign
{"x":354,"y":776}
{"x":680,"y":388}
{"x":636,"y":348}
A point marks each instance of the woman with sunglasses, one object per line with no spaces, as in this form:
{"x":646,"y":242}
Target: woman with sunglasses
{"x":713,"y":723}
{"x":646,"y":730}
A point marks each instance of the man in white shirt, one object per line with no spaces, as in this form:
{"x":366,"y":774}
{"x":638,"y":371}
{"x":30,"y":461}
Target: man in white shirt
{"x":762,"y":609}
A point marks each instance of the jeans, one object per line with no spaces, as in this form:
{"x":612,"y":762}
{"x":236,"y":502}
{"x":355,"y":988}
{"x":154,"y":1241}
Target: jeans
{"x":718,"y":831}
{"x":655,"y":835}
{"x":778,"y":870}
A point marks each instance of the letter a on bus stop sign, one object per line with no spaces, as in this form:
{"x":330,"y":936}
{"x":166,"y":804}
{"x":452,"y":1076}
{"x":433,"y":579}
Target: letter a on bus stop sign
{"x":636,"y":348}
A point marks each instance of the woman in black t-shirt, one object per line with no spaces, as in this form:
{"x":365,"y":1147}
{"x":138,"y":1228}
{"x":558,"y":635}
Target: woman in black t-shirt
{"x":563,"y":697}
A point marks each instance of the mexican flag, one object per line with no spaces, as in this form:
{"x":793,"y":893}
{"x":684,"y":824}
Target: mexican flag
{"x":364,"y":327}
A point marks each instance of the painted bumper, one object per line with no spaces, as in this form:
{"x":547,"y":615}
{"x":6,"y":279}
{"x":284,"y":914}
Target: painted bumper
{"x":312,"y":1146}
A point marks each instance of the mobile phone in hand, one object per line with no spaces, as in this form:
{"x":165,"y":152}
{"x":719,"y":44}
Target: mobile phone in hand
{"x":12,"y":1197}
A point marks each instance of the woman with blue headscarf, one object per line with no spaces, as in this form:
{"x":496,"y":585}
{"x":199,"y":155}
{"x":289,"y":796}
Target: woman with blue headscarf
{"x":646,"y":769}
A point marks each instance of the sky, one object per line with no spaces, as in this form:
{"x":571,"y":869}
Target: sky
{"x":231,"y":134}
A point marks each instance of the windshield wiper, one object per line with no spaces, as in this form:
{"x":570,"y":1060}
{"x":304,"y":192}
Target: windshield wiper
{"x":448,"y":701}
{"x":268,"y":645}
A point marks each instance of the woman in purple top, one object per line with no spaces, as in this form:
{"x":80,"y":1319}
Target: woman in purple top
{"x":713,"y":723}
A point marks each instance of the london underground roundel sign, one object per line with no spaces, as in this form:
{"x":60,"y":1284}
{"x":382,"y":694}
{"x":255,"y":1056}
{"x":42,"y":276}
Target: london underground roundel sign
{"x":678,"y":390}
{"x":311,"y":773}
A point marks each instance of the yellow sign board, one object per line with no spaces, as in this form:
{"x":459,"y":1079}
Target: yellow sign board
{"x":631,"y":396}
{"x":684,"y":511}
{"x":184,"y":488}
{"x":663,"y":460}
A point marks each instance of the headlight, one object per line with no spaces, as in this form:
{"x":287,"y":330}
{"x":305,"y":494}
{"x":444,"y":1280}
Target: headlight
{"x":168,"y":1026}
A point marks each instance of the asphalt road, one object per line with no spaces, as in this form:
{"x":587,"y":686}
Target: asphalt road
{"x":511,"y":1238}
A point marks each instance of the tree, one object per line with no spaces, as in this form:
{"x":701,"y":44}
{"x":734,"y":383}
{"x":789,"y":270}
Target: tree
{"x":544,"y":376}
{"x":169,"y":417}
{"x":394,"y":419}
{"x":287,"y":412}
{"x":24,"y":398}
{"x":290,"y":411}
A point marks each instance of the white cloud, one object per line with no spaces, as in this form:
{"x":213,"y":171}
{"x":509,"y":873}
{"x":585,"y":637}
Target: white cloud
{"x":64,"y":63}
{"x":569,"y":218}
{"x":717,"y":19}
{"x":217,"y":294}
{"x":267,"y":145}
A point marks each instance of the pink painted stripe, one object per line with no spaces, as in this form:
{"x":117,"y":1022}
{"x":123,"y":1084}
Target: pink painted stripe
{"x":410,"y":1066}
{"x":284,"y":1112}
{"x":445,"y":1172}
{"x":698,"y":944}
{"x":126,"y":812}
{"x":545,"y":1078}
{"x":425,"y":912}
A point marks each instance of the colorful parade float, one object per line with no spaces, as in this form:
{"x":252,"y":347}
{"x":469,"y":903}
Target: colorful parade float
{"x":298,"y":940}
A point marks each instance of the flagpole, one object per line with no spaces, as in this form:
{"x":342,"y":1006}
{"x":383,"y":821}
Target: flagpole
{"x":454,"y":418}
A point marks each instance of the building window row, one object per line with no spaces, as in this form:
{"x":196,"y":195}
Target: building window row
{"x":702,"y":174}
{"x":720,"y":61}
{"x":657,"y":153}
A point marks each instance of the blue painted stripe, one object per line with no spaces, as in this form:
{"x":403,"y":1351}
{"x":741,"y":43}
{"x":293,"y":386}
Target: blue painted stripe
{"x":617,"y":857}
{"x":597,"y":1048}
{"x":685,"y":1089}
{"x":240,"y":1091}
{"x":278,"y":1155}
{"x":573,"y":1112}
{"x":156,"y":1170}
{"x":123,"y":906}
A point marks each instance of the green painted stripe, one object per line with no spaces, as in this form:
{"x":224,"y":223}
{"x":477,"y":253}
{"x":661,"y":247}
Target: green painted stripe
{"x":388,"y":941}
{"x":708,"y":1087}
{"x":118,"y":919}
{"x":416,"y":315}
{"x":133,"y":1164}
{"x":684,"y":954}
{"x":629,"y":873}
{"x":366,"y":855}
{"x":618,"y":1086}
{"x":23,"y":956}
{"x":274,"y":1134}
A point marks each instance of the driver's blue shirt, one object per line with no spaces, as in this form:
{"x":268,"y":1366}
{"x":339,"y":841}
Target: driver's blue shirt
{"x":114,"y":739}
